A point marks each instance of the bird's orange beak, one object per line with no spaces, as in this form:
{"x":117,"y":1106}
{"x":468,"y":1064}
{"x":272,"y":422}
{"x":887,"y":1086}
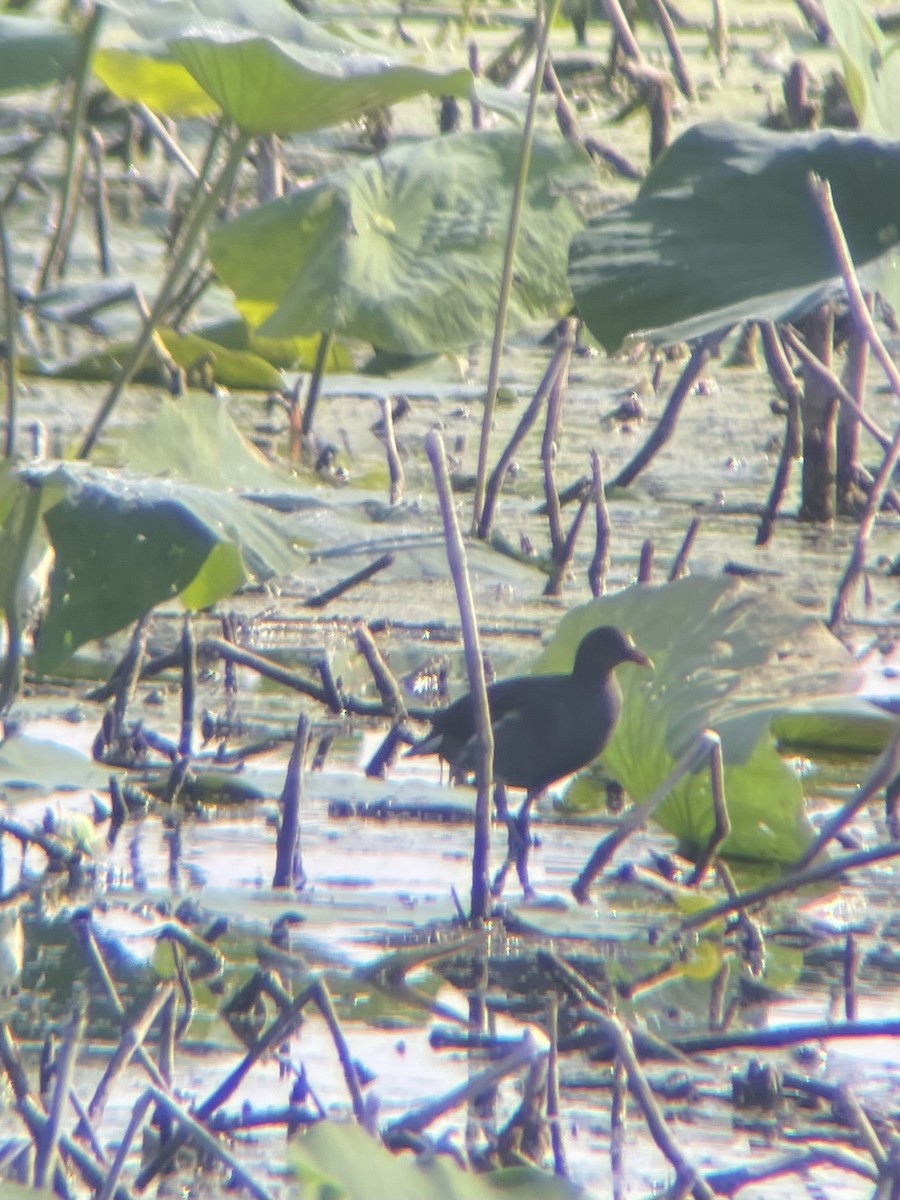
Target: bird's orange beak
{"x":637,"y":656}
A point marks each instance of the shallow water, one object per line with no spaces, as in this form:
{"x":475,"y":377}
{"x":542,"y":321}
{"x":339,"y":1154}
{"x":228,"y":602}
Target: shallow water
{"x":377,"y":884}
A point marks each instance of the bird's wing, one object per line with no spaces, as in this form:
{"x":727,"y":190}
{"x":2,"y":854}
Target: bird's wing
{"x":509,"y":696}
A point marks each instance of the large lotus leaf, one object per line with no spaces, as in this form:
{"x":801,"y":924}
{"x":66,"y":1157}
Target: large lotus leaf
{"x":724,"y":229}
{"x":267,"y":67}
{"x":727,"y":656}
{"x":36,"y":765}
{"x":333,"y":1160}
{"x":125,"y":543}
{"x":35,"y":52}
{"x":299,"y":89}
{"x":151,"y":76}
{"x":404,"y":251}
{"x":843,"y":725}
{"x":872,"y":75}
{"x":195,"y":438}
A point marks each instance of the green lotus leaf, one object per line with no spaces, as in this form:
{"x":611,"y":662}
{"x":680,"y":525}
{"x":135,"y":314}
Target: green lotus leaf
{"x":124,"y":543}
{"x":266,"y":66}
{"x":727,"y":657}
{"x":332,"y":1159}
{"x":404,"y":251}
{"x":35,"y":52}
{"x":724,"y":229}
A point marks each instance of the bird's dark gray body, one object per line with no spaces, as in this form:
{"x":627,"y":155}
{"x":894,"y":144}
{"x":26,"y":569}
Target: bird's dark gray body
{"x":545,"y":726}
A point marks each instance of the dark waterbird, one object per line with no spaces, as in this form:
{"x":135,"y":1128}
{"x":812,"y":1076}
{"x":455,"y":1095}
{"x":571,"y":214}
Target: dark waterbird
{"x":545,"y":726}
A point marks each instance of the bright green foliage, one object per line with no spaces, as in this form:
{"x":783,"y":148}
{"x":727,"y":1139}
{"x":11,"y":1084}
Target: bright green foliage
{"x":872,"y":75}
{"x":404,"y":251}
{"x":285,"y":353}
{"x":151,"y":77}
{"x":264,"y":65}
{"x":334,"y":1160}
{"x":727,"y":657}
{"x":235,"y":367}
{"x":871,"y":65}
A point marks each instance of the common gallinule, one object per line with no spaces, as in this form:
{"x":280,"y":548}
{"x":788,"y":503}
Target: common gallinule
{"x":545,"y":726}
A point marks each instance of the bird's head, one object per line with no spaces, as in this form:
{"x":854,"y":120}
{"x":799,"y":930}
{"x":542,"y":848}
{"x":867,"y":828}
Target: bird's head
{"x":605,"y":648}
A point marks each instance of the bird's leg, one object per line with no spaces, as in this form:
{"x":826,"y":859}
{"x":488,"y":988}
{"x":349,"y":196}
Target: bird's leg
{"x":500,"y":803}
{"x":502,"y":807}
{"x":518,"y":843}
{"x":522,"y":827}
{"x":500,"y":878}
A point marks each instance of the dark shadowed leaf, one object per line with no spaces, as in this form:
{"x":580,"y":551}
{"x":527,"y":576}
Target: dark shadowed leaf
{"x":35,"y":52}
{"x":724,"y":230}
{"x":125,"y":543}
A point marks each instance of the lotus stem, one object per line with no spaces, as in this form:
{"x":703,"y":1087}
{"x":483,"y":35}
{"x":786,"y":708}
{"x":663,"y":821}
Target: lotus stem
{"x":11,"y":320}
{"x":73,"y":145}
{"x":288,"y":859}
{"x":456,"y":557}
{"x":203,"y":205}
{"x":599,"y":567}
{"x":315,"y":382}
{"x":509,"y":258}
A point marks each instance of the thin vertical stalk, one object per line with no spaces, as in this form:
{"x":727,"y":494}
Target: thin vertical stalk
{"x":188,"y":688}
{"x":679,"y":566}
{"x":789,"y":388}
{"x":456,"y":557}
{"x":201,"y":179}
{"x":557,"y":364}
{"x":73,"y":144}
{"x":65,"y":1068}
{"x":553,"y":1106}
{"x":139,"y":1112}
{"x":315,"y":382}
{"x":394,"y":461}
{"x":599,"y":567}
{"x":288,"y":856}
{"x":102,"y":218}
{"x":10,"y":331}
{"x":719,"y":33}
{"x":202,"y":207}
{"x":848,"y":424}
{"x":669,"y":32}
{"x":509,"y":258}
